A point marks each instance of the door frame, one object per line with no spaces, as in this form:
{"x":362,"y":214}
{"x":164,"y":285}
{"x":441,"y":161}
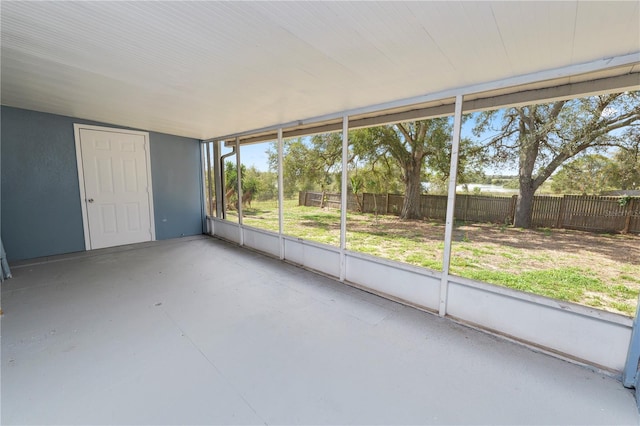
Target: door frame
{"x":85,"y":219}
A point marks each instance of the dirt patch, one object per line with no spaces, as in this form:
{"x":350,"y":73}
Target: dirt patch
{"x":580,"y":247}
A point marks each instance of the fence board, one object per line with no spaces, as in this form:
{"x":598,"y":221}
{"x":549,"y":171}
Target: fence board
{"x":545,"y":211}
{"x":594,"y":213}
{"x":394,"y":204}
{"x":480,"y":208}
{"x":313,"y":199}
{"x":332,"y":200}
{"x":434,"y":206}
{"x":632,"y":221}
{"x":375,"y":203}
{"x":587,"y":213}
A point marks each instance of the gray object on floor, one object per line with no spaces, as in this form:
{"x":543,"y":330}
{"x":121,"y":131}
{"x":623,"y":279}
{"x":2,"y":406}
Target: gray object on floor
{"x":4,"y":265}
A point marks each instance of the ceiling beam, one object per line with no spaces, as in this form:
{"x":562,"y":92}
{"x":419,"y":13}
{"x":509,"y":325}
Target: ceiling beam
{"x":619,"y":83}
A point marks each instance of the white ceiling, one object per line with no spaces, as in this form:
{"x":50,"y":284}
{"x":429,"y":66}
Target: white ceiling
{"x":205,"y":69}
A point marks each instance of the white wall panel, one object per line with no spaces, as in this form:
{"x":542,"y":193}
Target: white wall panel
{"x":598,"y":338}
{"x":228,"y":230}
{"x":414,"y":285}
{"x":314,"y":256}
{"x":264,"y":241}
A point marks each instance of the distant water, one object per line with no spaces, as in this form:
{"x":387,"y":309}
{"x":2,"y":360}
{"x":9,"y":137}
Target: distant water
{"x":487,"y":188}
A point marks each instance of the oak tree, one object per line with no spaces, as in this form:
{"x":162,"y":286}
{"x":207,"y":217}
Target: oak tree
{"x":540,"y":138}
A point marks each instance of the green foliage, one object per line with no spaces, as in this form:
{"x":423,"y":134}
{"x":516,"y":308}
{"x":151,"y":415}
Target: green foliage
{"x":511,"y":183}
{"x":378,"y":177}
{"x":586,"y":175}
{"x":326,"y":159}
{"x":231,"y":183}
{"x":419,"y":150}
{"x":385,"y":159}
{"x":595,"y":173}
{"x":297,"y":175}
{"x":422,"y":147}
{"x":625,"y":170}
{"x":623,"y":201}
{"x":356,"y":183}
{"x":253,"y":183}
{"x":310,"y":164}
{"x":268,"y":186}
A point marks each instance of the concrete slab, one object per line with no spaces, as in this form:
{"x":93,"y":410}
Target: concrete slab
{"x":197,"y":331}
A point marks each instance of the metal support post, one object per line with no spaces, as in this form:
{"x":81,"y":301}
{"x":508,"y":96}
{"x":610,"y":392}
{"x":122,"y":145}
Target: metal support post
{"x":219,"y":181}
{"x":630,"y":373}
{"x":239,"y":190}
{"x":280,"y":193}
{"x":451,"y":205}
{"x":344,"y":198}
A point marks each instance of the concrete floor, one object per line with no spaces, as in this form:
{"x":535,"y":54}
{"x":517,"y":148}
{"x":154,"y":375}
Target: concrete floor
{"x":197,"y":331}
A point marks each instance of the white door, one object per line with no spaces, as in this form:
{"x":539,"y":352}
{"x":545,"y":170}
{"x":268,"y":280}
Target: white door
{"x":115,"y":186}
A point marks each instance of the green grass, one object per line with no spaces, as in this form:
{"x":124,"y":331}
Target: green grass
{"x":564,"y":284}
{"x":421,"y":243}
{"x":627,"y":308}
{"x":420,"y":260}
{"x":629,"y":278}
{"x":509,"y":256}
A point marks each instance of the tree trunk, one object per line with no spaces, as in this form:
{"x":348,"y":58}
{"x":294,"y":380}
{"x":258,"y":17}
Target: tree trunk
{"x":413,"y":189}
{"x":360,"y":203}
{"x":529,"y":150}
{"x":524,"y":207}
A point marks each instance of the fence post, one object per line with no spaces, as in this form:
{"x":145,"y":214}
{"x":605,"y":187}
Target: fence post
{"x":466,"y":207}
{"x":386,"y":205}
{"x":627,"y":220}
{"x":512,"y":208}
{"x":560,"y":221}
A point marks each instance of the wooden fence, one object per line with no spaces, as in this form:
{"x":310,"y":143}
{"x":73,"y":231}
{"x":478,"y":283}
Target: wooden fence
{"x":587,"y":213}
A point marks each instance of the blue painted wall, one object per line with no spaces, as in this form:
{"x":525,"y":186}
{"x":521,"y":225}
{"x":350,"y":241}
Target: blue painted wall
{"x":176,"y":171}
{"x":40,"y":197}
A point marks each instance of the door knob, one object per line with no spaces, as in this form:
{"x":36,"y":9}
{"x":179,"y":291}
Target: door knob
{"x":90,"y":200}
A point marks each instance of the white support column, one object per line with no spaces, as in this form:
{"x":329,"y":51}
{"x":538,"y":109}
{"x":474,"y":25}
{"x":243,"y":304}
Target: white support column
{"x":280,"y":193}
{"x":217,"y":176}
{"x":630,"y":377}
{"x":451,"y":205}
{"x":205,"y":157}
{"x":239,"y":175}
{"x":344,"y":198}
{"x":210,"y":206}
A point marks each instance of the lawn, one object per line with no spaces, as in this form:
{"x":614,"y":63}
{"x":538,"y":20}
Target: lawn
{"x":599,"y":270}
